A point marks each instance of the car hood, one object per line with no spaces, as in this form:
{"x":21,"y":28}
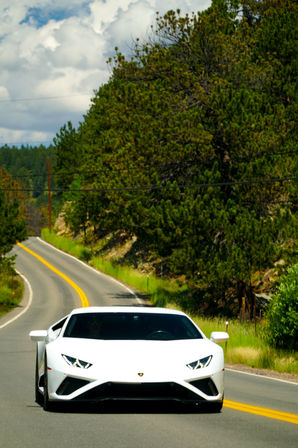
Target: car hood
{"x":137,"y":353}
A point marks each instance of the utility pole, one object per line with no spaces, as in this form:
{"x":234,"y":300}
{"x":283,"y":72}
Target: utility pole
{"x":49,"y":192}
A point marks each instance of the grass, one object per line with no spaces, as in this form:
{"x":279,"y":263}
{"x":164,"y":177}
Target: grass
{"x":246,"y":344}
{"x":158,"y":290}
{"x":72,"y":247}
{"x":11,"y":291}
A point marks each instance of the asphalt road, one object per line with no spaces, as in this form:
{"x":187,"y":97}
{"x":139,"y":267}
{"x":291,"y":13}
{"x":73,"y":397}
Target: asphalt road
{"x":24,"y":424}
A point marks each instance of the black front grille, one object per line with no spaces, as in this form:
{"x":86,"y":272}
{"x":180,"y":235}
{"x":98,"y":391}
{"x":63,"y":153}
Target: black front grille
{"x":70,"y":385}
{"x":206,"y":385}
{"x":142,"y":391}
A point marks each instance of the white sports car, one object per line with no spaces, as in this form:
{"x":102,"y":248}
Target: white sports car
{"x":128,"y":353}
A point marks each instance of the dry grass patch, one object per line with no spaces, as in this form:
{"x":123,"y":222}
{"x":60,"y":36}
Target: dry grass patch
{"x":244,"y":355}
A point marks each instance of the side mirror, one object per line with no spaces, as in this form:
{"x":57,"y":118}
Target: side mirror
{"x":219,"y":336}
{"x":38,"y":335}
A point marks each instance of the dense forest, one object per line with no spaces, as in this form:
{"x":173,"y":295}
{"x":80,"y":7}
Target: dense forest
{"x":190,"y":148}
{"x":27,"y":168}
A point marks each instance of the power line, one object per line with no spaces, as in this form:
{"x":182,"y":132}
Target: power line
{"x":158,"y":187}
{"x":42,"y":98}
{"x":25,"y":176}
{"x":13,"y":145}
{"x":150,"y":165}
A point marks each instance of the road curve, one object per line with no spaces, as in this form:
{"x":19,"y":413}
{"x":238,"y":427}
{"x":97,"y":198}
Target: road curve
{"x":25,"y":424}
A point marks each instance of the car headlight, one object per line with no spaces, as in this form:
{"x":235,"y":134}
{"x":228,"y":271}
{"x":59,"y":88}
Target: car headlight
{"x":75,"y":362}
{"x":199,"y":364}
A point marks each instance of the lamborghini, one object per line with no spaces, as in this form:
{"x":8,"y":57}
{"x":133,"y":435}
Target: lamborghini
{"x":99,"y":354}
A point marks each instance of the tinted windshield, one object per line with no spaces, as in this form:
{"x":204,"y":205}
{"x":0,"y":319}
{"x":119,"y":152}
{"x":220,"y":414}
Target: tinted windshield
{"x":130,"y":326}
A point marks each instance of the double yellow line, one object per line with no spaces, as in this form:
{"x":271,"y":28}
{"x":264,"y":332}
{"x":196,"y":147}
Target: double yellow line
{"x":264,"y":412}
{"x":81,"y":293}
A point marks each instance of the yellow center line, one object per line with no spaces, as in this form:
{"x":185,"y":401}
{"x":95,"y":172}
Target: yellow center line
{"x":270,"y":413}
{"x":81,"y":293}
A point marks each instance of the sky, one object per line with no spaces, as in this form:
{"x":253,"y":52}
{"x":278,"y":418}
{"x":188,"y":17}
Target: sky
{"x":53,"y":57}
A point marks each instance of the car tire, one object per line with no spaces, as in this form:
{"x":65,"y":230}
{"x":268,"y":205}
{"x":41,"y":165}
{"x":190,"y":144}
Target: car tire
{"x":47,"y":405}
{"x":38,"y":394}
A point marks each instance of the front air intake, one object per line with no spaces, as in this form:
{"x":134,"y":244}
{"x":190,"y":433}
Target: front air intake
{"x":205,"y":385}
{"x":139,"y":391}
{"x":70,"y":385}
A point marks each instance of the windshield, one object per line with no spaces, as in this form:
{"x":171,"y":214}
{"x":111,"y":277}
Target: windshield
{"x":131,"y":326}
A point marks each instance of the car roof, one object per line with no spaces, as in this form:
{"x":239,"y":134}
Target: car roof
{"x":126,"y":309}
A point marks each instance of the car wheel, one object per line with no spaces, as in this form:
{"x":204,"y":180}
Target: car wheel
{"x":47,"y":405}
{"x":38,"y":395}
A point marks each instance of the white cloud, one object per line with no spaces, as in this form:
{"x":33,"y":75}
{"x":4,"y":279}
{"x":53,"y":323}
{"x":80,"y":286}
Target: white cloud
{"x":82,"y":50}
{"x":4,"y":95}
{"x":129,"y":24}
{"x":59,"y":48}
{"x":185,"y":6}
{"x":104,"y":13}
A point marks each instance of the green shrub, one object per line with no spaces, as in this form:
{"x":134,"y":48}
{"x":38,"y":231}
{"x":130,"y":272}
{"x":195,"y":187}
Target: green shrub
{"x":282,"y":313}
{"x":5,"y":295}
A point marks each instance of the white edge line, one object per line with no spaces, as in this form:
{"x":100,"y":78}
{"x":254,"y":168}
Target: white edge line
{"x":28,"y":304}
{"x":262,"y":376}
{"x":94,"y":270}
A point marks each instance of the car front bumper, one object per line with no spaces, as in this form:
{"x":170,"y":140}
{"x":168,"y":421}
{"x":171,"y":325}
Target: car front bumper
{"x":195,"y":389}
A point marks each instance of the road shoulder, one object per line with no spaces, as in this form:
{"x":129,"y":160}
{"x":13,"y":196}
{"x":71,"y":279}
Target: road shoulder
{"x":292,"y":377}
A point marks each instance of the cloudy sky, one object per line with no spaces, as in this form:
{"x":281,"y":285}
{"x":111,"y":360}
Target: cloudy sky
{"x":53,"y":56}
